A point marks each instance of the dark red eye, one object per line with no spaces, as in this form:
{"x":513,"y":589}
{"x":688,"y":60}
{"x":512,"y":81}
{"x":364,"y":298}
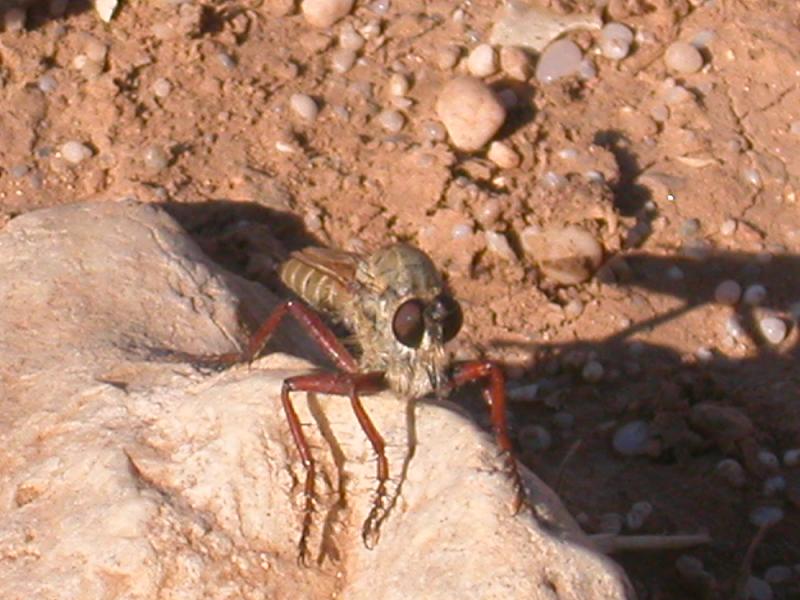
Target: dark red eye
{"x":448,"y":313}
{"x":408,"y":324}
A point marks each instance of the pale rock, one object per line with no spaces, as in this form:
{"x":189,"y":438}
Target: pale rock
{"x":324,"y":13}
{"x":105,"y":8}
{"x":128,"y":472}
{"x":470,"y":111}
{"x":515,"y":63}
{"x":503,"y":155}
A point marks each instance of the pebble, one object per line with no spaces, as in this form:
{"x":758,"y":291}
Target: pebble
{"x":757,"y":589}
{"x":592,"y":371}
{"x":470,"y":112}
{"x":768,"y":459}
{"x":755,"y":294}
{"x":155,"y":158}
{"x":391,"y":120}
{"x":615,"y":41}
{"x":342,"y":59}
{"x":535,"y":438}
{"x":482,"y":61}
{"x":728,"y":227}
{"x":734,"y":327}
{"x":304,"y":106}
{"x":398,"y":84}
{"x":324,"y":13}
{"x":350,"y":38}
{"x":162,"y":87}
{"x":632,"y":438}
{"x":766,"y":515}
{"x":561,"y":59}
{"x":752,"y":176}
{"x":503,"y":155}
{"x":610,"y":523}
{"x":689,"y":228}
{"x":75,"y":152}
{"x":515,"y":63}
{"x":675,"y":273}
{"x":637,"y":515}
{"x":731,"y":472}
{"x":587,"y":70}
{"x":497,"y":243}
{"x":676,"y":95}
{"x":773,"y":329}
{"x":791,"y":458}
{"x":380,"y":7}
{"x":553,"y":180}
{"x":226,"y":60}
{"x":524,"y":393}
{"x":47,"y":83}
{"x":564,"y":420}
{"x":683,"y":58}
{"x":96,"y":50}
{"x":447,"y":57}
{"x":461,"y":231}
{"x":573,"y":309}
{"x":434,"y":131}
{"x":774,"y":485}
{"x":728,"y":292}
{"x":14,"y":19}
{"x":778,"y":574}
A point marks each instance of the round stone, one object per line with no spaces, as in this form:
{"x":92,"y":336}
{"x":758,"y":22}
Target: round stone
{"x":75,"y":152}
{"x":304,"y":106}
{"x":728,"y":292}
{"x":324,"y":13}
{"x":162,"y":87}
{"x":515,"y":63}
{"x":391,"y":120}
{"x":632,"y":438}
{"x":683,"y":58}
{"x":503,"y":155}
{"x":561,"y":59}
{"x":773,"y":329}
{"x":482,"y":61}
{"x":470,"y":112}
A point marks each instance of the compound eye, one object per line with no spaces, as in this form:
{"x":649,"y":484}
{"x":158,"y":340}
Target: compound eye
{"x":451,"y":317}
{"x":408,"y":324}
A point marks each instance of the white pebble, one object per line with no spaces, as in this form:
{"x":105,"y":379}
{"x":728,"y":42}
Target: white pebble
{"x":162,"y":87}
{"x":728,"y":227}
{"x":752,"y":177}
{"x":535,"y":438}
{"x":380,"y":7}
{"x":676,"y":95}
{"x":615,"y":41}
{"x":637,"y":515}
{"x":447,"y":57}
{"x":461,"y":231}
{"x":632,"y":438}
{"x":324,"y":13}
{"x":434,"y":131}
{"x":731,"y":472}
{"x":47,"y":83}
{"x":757,"y":589}
{"x":773,"y":329}
{"x":683,"y":58}
{"x":14,"y":19}
{"x":391,"y":120}
{"x":155,"y":158}
{"x":498,"y":245}
{"x":766,"y":515}
{"x":304,"y":106}
{"x":398,"y":84}
{"x":728,"y":292}
{"x":470,"y":112}
{"x":794,"y":127}
{"x":96,"y":50}
{"x":553,"y":180}
{"x":350,"y":38}
{"x":774,"y":485}
{"x":561,"y":59}
{"x":592,"y":371}
{"x":503,"y":155}
{"x":755,"y":294}
{"x":734,"y":327}
{"x":703,"y":38}
{"x":482,"y":61}
{"x":587,"y":70}
{"x":75,"y":152}
{"x":342,"y":59}
{"x":768,"y":459}
{"x":610,"y":523}
{"x":791,"y":458}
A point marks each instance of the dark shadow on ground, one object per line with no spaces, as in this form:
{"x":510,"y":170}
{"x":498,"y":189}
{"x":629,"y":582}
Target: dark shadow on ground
{"x":40,"y":12}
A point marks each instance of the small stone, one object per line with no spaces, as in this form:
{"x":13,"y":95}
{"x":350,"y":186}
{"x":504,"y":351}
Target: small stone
{"x":637,"y":515}
{"x":350,"y":39}
{"x":689,"y":228}
{"x":773,"y":329}
{"x":755,"y":294}
{"x":791,"y":458}
{"x":434,"y":131}
{"x":728,"y":227}
{"x":498,"y":245}
{"x":683,"y":58}
{"x":688,"y":566}
{"x":768,"y":459}
{"x":226,"y":60}
{"x":105,"y":9}
{"x":632,"y":439}
{"x":503,"y":155}
{"x":391,"y":120}
{"x":778,"y":574}
{"x":447,"y":57}
{"x":675,"y":273}
{"x":470,"y":112}
{"x":731,"y":472}
{"x":728,"y":292}
{"x":96,"y":50}
{"x":324,"y":13}
{"x":342,"y":60}
{"x":155,"y":158}
{"x":757,"y":589}
{"x":752,"y":176}
{"x":774,"y":485}
{"x":304,"y":106}
{"x":762,"y":516}
{"x":573,"y":309}
{"x":162,"y":87}
{"x":14,"y":19}
{"x":592,"y":371}
{"x":398,"y":84}
{"x":515,"y":63}
{"x":535,"y":438}
{"x":610,"y":523}
{"x":47,"y":83}
{"x":482,"y":61}
{"x":75,"y":152}
{"x":560,"y":59}
{"x":615,"y":41}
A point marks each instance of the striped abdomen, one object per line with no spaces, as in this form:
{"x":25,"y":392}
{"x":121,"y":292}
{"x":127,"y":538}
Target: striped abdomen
{"x":319,"y":289}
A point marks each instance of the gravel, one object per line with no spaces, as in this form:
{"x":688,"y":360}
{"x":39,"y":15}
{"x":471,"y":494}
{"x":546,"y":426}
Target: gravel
{"x":75,"y":152}
{"x":561,"y":59}
{"x":683,"y":58}
{"x":304,"y":106}
{"x":470,"y":112}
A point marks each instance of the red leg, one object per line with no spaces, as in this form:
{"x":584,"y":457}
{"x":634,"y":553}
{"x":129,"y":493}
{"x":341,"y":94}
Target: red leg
{"x":310,"y":321}
{"x":345,"y":384}
{"x":494,"y":393}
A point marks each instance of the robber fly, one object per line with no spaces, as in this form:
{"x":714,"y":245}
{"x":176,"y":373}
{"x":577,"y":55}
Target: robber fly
{"x":401,"y":314}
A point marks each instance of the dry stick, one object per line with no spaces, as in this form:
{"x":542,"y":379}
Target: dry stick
{"x":570,"y":453}
{"x":747,"y":561}
{"x":609,"y":543}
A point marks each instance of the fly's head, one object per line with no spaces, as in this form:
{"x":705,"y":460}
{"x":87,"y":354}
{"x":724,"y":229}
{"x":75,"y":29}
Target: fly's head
{"x":408,"y":317}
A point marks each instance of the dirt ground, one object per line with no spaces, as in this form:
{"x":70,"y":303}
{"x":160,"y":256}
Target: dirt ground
{"x":186,"y":104}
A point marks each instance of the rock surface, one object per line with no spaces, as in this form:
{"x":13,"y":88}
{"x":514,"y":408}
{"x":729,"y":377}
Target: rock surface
{"x":124,"y":474}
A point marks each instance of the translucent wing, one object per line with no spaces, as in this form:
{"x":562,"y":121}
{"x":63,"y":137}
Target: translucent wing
{"x":339,"y":265}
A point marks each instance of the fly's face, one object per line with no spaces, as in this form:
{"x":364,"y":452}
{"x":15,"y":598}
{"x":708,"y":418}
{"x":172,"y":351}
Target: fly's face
{"x":410,"y":317}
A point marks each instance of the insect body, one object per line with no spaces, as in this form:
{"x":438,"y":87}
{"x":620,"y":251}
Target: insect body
{"x":401,"y":314}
